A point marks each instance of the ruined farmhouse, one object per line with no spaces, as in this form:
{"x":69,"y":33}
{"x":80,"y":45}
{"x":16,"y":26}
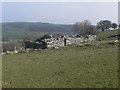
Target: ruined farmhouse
{"x":47,"y":41}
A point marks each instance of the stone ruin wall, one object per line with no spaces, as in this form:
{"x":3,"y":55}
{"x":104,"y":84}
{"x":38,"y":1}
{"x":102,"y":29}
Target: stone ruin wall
{"x":59,"y":42}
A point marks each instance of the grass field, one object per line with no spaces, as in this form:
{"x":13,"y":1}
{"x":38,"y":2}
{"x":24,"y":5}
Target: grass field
{"x":105,"y":34}
{"x":67,"y":67}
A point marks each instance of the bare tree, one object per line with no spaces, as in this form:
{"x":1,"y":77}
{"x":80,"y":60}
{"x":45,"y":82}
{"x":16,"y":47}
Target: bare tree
{"x":58,"y":34}
{"x":114,"y":25}
{"x":39,"y":35}
{"x":104,"y":25}
{"x":100,"y":25}
{"x":83,"y":28}
{"x":27,"y":38}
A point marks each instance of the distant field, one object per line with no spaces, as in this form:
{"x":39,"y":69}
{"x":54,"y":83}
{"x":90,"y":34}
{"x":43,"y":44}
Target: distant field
{"x":68,"y":67}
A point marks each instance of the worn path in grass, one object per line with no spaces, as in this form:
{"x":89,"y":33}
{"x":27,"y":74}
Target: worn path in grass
{"x":68,"y":67}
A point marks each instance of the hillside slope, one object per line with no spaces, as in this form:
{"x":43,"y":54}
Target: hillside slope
{"x":18,"y":30}
{"x":107,"y":35}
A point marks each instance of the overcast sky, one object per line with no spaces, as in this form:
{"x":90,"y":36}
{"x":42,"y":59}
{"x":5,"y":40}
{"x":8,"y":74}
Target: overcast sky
{"x":59,"y":12}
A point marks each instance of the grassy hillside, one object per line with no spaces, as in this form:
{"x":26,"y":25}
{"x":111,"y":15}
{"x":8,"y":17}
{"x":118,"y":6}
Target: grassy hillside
{"x":108,"y":35}
{"x":68,"y":67}
{"x":19,"y":30}
{"x":94,"y":65}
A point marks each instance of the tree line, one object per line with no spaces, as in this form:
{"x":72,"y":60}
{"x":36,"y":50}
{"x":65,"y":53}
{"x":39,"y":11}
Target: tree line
{"x":104,"y":25}
{"x":86,"y":28}
{"x":80,"y":28}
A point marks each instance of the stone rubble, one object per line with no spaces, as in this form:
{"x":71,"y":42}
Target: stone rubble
{"x":52,"y":42}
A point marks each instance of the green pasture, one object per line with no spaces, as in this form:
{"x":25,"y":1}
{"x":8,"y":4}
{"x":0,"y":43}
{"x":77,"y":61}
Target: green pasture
{"x":68,"y":67}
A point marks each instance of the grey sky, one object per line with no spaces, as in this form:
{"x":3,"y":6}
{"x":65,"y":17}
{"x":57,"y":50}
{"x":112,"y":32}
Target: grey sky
{"x":59,"y":12}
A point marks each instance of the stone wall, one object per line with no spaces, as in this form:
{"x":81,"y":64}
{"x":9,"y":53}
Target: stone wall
{"x":59,"y":42}
{"x":49,"y":42}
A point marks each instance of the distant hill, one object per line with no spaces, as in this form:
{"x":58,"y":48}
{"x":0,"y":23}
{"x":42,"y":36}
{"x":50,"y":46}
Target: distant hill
{"x":18,"y":30}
